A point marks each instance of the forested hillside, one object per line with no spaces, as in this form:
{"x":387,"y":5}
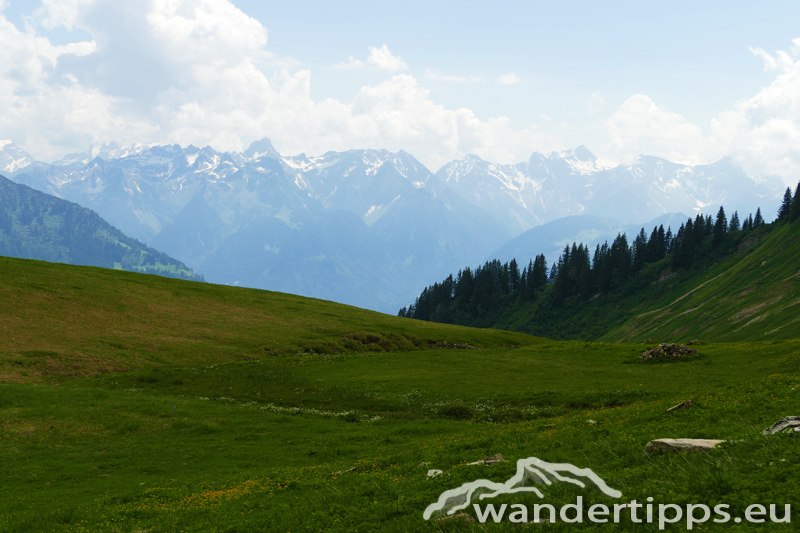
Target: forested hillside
{"x":585,"y":295}
{"x":35,"y":225}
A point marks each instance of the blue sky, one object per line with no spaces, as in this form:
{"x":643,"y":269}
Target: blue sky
{"x":687,"y":81}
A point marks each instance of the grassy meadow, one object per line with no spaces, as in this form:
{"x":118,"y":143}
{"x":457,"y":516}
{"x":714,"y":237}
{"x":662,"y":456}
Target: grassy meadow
{"x":132,"y":403}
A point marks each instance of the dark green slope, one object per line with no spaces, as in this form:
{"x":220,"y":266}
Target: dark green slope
{"x":35,"y":225}
{"x":753,"y":295}
{"x":743,"y":285}
{"x":750,"y":294}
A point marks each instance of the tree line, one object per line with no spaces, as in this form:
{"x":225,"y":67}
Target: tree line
{"x":479,"y":296}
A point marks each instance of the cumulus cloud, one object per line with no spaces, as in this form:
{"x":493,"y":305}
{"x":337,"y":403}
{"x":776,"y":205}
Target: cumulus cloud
{"x":780,"y":61}
{"x":191,"y":71}
{"x":763,"y":132}
{"x":379,"y":59}
{"x":399,"y":114}
{"x":640,"y":126}
{"x":509,"y":79}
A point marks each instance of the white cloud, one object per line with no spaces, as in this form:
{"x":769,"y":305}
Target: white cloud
{"x":61,"y":13}
{"x":188,"y":71}
{"x":783,"y":61}
{"x":763,"y":132}
{"x":379,"y":59}
{"x":639,"y":126}
{"x":399,"y":114}
{"x":167,"y":71}
{"x":595,"y":105}
{"x":509,"y":79}
{"x":432,"y":75}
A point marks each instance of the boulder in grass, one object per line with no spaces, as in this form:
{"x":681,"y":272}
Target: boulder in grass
{"x":497,"y":458}
{"x":681,"y":445}
{"x":785,"y":423}
{"x":681,"y":406}
{"x":668,"y":350}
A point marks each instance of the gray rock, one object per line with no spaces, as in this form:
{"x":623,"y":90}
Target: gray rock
{"x":497,"y":458}
{"x":787,"y":422}
{"x":681,"y":406}
{"x":665,"y":350}
{"x":681,"y":445}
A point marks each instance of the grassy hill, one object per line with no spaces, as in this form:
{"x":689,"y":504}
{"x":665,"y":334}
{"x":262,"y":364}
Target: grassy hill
{"x":135,"y":403}
{"x":35,"y":225}
{"x":61,"y":320}
{"x":752,"y":295}
{"x":747,"y":289}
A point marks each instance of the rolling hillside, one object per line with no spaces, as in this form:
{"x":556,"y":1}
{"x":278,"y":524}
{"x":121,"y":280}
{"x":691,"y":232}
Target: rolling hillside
{"x":135,"y":403}
{"x":707,"y":282}
{"x":62,"y":320}
{"x":753,"y":295}
{"x":35,"y":225}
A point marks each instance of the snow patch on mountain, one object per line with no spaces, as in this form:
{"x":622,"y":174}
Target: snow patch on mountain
{"x":365,"y":226}
{"x":12,"y":157}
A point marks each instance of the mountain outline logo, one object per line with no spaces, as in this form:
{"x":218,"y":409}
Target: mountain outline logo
{"x":531,"y":469}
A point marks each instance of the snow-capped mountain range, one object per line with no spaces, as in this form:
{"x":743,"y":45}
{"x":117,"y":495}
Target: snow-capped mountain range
{"x":365,"y":227}
{"x":549,"y":187}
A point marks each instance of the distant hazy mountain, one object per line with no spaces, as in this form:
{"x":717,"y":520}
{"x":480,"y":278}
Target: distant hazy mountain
{"x":35,"y":225}
{"x":549,"y":187}
{"x":12,"y":157}
{"x":365,"y":227}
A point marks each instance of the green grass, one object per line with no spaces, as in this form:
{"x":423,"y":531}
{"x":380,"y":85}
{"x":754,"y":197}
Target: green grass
{"x":94,"y":320}
{"x":754,"y":295}
{"x":207,"y":431}
{"x":252,"y":445}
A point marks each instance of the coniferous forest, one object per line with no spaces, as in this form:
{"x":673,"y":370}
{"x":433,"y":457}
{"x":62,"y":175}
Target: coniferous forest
{"x":507,"y":295}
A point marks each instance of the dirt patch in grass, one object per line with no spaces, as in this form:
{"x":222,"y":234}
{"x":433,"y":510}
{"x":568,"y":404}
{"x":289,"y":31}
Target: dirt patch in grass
{"x":747,"y":312}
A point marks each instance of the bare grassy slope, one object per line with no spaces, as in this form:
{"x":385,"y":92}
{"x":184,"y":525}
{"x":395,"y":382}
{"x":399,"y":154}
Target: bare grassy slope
{"x":60,"y":320}
{"x":754,"y":295}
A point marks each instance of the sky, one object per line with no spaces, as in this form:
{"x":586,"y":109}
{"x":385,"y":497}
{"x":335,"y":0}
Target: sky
{"x":687,"y":81}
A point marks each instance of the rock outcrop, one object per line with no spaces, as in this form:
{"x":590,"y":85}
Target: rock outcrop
{"x":668,"y":350}
{"x":784,"y":424}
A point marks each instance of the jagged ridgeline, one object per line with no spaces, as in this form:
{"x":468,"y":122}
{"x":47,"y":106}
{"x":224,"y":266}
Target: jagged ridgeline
{"x":35,"y":225}
{"x":586,"y":294}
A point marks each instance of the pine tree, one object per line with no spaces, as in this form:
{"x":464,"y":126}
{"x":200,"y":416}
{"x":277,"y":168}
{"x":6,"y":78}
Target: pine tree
{"x":638,"y":254}
{"x":759,"y":220}
{"x":513,"y":274}
{"x":734,"y":222}
{"x":553,"y":273}
{"x":720,"y":227}
{"x":786,"y":206}
{"x":685,"y":245}
{"x":539,"y":275}
{"x":794,"y":213}
{"x":669,"y":240}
